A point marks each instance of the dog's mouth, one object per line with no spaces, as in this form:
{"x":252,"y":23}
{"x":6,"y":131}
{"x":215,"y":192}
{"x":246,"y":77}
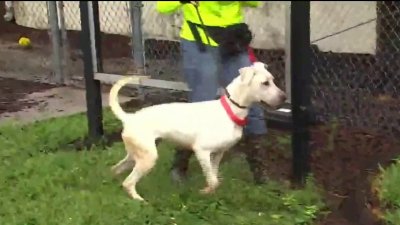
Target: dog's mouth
{"x":269,"y":107}
{"x":277,"y":104}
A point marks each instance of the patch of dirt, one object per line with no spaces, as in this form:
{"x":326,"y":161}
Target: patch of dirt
{"x":344,"y":162}
{"x":12,"y":93}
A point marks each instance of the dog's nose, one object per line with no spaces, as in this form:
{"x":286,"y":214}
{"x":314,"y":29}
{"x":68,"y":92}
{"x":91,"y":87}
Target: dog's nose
{"x":283,"y":97}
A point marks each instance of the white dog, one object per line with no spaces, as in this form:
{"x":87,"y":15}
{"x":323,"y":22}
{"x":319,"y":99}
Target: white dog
{"x":208,"y":128}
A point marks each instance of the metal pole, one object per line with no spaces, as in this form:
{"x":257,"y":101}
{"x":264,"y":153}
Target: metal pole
{"x":288,"y":81}
{"x":56,"y":41}
{"x":93,"y":92}
{"x":65,"y":45}
{"x":95,"y":43}
{"x":301,"y":94}
{"x":137,"y":38}
{"x":135,"y":9}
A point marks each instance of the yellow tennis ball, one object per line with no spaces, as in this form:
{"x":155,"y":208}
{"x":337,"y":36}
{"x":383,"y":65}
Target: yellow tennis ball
{"x":24,"y":42}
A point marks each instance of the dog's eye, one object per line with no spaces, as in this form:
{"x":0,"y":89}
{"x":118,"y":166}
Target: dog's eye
{"x":266,"y":83}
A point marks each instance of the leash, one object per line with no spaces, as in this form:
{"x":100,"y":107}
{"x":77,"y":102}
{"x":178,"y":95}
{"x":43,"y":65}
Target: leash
{"x":196,"y":6}
{"x":252,"y":56}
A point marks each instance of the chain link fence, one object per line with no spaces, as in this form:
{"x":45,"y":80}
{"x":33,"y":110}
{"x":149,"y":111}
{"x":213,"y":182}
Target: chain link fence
{"x":30,"y":20}
{"x":115,"y":38}
{"x":355,"y":48}
{"x":115,"y":19}
{"x":358,"y":81}
{"x":161,"y":38}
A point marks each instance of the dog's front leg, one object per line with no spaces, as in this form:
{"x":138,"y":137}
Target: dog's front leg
{"x":204,"y":158}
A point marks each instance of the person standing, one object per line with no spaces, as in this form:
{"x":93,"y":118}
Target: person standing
{"x":214,"y":46}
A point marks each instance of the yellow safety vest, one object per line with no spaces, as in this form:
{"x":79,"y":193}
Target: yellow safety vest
{"x":213,"y":13}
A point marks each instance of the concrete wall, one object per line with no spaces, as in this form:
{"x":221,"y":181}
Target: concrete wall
{"x":267,"y":22}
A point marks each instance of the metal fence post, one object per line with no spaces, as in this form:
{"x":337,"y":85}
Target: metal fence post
{"x":95,"y":37}
{"x":93,"y":92}
{"x":135,"y":8}
{"x":64,"y":40}
{"x":56,"y":41}
{"x":288,"y":83}
{"x":301,"y":81}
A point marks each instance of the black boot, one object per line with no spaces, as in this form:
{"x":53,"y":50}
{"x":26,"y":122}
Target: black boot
{"x":180,"y":164}
{"x":256,"y":157}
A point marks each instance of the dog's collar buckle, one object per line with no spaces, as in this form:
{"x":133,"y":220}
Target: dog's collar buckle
{"x":238,"y":121}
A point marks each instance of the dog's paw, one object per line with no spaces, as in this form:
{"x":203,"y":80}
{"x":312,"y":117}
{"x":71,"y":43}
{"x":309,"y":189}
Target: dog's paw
{"x":133,"y":194}
{"x":138,"y":198}
{"x":207,"y":190}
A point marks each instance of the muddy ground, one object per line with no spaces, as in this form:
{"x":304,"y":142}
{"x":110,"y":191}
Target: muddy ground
{"x":13,"y":92}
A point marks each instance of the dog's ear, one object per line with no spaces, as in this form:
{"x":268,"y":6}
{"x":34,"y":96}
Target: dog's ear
{"x":260,"y":65}
{"x":246,"y":74}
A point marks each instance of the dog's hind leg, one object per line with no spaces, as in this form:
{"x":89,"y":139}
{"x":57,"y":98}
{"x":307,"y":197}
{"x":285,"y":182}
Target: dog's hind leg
{"x":125,"y":164}
{"x":216,"y":160}
{"x":145,"y":156}
{"x":204,"y":158}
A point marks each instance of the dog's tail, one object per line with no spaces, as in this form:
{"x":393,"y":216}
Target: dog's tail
{"x":113,"y":98}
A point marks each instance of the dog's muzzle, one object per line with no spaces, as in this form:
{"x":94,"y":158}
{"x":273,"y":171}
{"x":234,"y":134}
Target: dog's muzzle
{"x":282,"y":98}
{"x":279,"y":103}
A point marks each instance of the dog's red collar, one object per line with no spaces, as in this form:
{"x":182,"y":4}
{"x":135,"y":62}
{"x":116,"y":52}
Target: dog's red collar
{"x":238,"y":121}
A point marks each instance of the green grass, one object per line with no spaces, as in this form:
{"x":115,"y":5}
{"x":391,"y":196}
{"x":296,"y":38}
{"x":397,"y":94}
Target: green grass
{"x":389,"y":193}
{"x":45,"y":182}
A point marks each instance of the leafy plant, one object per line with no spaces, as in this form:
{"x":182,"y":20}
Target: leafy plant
{"x":389,"y":192}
